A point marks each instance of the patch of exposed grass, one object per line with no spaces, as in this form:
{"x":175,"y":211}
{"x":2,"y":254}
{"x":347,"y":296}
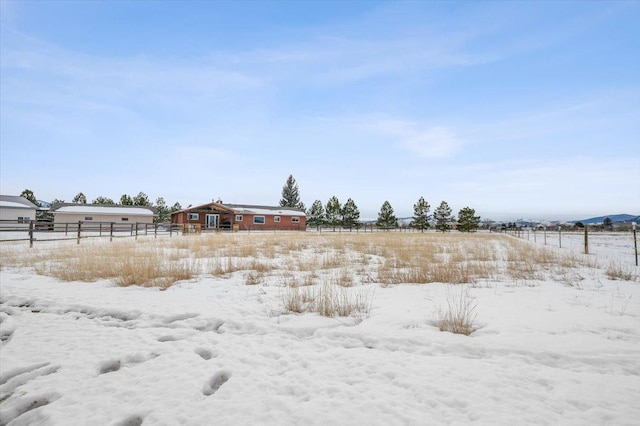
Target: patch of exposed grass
{"x":460,"y":313}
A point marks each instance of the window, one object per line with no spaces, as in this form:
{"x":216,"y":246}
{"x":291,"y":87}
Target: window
{"x":276,"y":219}
{"x":238,"y":218}
{"x":125,"y":219}
{"x":23,"y":220}
{"x":88,"y":218}
{"x":258,"y":220}
{"x":194,"y":216}
{"x":295,"y":219}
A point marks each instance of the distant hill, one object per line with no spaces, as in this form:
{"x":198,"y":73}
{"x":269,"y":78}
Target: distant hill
{"x":614,"y":218}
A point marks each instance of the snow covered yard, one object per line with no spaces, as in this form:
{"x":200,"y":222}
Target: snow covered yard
{"x":96,"y":333}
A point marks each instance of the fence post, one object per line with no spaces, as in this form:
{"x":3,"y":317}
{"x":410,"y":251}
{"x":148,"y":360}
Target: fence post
{"x":31,"y":233}
{"x":100,"y":229}
{"x":635,"y":242}
{"x":132,"y":229}
{"x":535,"y":239}
{"x":155,"y":230}
{"x":586,"y":240}
{"x":66,"y":229}
{"x":146,"y":229}
{"x":560,"y":236}
{"x":79,"y":228}
{"x":545,"y":235}
{"x":136,"y":230}
{"x":111,"y":232}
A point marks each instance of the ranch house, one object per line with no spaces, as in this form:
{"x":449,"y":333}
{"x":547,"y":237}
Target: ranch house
{"x":240,"y":217}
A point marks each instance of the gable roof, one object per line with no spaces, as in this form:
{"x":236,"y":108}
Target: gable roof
{"x":247,"y":209}
{"x":16,"y":202}
{"x":115,"y":210}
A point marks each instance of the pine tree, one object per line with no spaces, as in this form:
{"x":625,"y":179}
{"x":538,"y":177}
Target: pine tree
{"x":291,"y":195}
{"x":28,"y":194}
{"x":162,"y":211}
{"x":421,"y":215}
{"x":175,"y":208}
{"x":350,"y":215}
{"x":442,"y":216}
{"x":467,"y":220}
{"x":386,"y":217}
{"x":315,"y":215}
{"x":141,"y":200}
{"x":126,"y":200}
{"x":103,"y":200}
{"x":333,"y":212}
{"x":80,"y":198}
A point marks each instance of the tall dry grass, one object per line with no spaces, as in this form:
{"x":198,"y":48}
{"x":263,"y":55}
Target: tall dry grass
{"x":346,"y":259}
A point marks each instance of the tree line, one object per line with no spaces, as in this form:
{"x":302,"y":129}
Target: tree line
{"x":335,"y":215}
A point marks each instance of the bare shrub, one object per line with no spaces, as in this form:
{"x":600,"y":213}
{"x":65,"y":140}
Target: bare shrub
{"x":617,"y":271}
{"x":460,"y":313}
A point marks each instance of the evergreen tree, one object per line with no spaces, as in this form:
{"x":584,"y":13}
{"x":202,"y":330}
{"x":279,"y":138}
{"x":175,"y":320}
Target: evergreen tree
{"x":442,"y":216}
{"x":350,"y":215}
{"x":102,"y":200}
{"x":291,"y":195}
{"x":175,"y":208}
{"x":386,"y":217}
{"x":333,"y":212}
{"x":28,"y":194}
{"x":467,"y":220}
{"x":162,"y":211}
{"x":126,"y":200}
{"x":56,"y":201}
{"x":421,"y":215}
{"x":315,"y":215}
{"x":80,"y":198}
{"x":607,"y":223}
{"x":141,"y":200}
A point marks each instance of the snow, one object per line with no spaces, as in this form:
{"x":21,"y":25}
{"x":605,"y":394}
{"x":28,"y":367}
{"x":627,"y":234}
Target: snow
{"x":14,"y":205}
{"x":131,"y":211}
{"x":216,"y":351}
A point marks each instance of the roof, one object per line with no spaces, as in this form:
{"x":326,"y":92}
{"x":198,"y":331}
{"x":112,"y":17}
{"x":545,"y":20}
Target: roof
{"x":16,"y":202}
{"x":249,"y":209}
{"x":102,"y":209}
{"x":281,"y":211}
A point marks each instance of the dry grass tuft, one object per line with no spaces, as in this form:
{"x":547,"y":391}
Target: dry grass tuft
{"x":617,"y":271}
{"x":460,"y":313}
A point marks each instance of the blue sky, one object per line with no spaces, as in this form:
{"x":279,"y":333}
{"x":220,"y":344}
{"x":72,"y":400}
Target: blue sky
{"x":516,"y":109}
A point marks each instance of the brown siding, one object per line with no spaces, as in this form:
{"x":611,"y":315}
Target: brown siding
{"x":285,"y":224}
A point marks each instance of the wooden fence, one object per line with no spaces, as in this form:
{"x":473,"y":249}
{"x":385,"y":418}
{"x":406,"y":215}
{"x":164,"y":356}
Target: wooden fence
{"x":33,"y":231}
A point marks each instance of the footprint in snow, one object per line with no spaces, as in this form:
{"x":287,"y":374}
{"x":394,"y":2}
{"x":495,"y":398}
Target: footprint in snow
{"x":213,"y":384}
{"x":205,"y":354}
{"x":134,"y":420}
{"x":110,"y":366}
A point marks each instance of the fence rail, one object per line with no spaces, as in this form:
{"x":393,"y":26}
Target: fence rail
{"x":33,"y":231}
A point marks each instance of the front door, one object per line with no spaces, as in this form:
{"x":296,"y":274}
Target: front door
{"x":213,"y":220}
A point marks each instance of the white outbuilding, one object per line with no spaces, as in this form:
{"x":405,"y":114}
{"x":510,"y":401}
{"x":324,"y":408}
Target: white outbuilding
{"x":16,"y":211}
{"x":106,"y":214}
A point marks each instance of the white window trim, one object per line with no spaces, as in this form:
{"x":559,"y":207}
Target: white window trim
{"x":88,"y":218}
{"x":295,"y":219}
{"x":125,"y":219}
{"x":194,"y":216}
{"x":239,"y":218}
{"x":276,"y":219}
{"x":259,"y":223}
